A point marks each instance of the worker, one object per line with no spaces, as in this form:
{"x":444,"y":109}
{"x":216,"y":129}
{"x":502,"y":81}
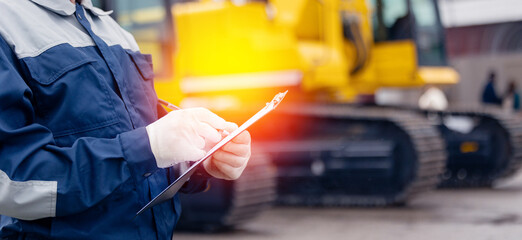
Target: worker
{"x":489,"y":96}
{"x":83,"y":142}
{"x":511,"y":99}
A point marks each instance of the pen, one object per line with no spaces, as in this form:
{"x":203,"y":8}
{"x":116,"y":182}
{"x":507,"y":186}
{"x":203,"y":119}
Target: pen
{"x":174,"y":107}
{"x":169,"y":105}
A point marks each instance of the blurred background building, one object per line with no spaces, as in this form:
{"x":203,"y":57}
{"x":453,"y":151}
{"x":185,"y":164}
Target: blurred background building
{"x":482,"y":36}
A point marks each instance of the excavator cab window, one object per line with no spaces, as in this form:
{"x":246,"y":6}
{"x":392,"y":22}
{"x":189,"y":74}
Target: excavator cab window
{"x":429,"y":33}
{"x":416,"y":20}
{"x":391,"y":20}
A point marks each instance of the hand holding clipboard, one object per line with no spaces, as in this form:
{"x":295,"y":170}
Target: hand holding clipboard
{"x":173,"y":188}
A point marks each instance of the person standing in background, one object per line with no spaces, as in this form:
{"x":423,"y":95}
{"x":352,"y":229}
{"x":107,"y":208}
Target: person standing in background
{"x":511,"y":100}
{"x":489,"y":96}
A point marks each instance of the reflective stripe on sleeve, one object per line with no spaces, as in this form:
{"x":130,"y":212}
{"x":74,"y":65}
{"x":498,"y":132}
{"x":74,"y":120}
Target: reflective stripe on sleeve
{"x":28,"y":200}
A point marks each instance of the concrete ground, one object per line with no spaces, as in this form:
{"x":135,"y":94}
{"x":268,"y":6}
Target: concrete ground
{"x":477,"y":214}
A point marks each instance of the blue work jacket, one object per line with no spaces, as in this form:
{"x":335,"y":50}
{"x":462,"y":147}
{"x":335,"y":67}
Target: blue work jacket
{"x":75,"y":97}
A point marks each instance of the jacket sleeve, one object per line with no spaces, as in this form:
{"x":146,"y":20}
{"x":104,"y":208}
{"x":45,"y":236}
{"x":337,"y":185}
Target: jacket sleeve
{"x":39,"y":179}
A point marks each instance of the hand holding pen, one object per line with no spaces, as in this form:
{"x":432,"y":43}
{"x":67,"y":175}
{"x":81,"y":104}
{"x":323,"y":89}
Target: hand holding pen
{"x":173,"y":107}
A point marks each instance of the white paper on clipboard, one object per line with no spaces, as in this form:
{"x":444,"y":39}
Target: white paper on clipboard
{"x":174,"y":187}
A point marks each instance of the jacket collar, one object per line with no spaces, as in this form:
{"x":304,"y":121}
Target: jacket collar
{"x":66,"y":8}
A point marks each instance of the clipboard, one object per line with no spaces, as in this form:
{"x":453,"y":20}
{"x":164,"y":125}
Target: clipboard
{"x":174,"y":187}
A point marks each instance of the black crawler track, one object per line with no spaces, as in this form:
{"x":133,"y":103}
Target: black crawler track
{"x":366,"y":156}
{"x":499,"y":146}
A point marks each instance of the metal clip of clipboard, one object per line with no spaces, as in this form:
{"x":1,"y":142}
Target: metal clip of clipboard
{"x":174,"y":187}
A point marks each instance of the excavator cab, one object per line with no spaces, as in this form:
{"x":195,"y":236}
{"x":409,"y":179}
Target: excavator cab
{"x":409,"y":30}
{"x":411,"y":20}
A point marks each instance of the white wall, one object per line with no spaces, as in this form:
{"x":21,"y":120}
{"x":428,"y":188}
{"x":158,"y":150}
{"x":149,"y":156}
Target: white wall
{"x":475,"y":12}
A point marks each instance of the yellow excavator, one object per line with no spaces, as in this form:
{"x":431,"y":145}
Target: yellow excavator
{"x":232,"y":56}
{"x":331,"y":144}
